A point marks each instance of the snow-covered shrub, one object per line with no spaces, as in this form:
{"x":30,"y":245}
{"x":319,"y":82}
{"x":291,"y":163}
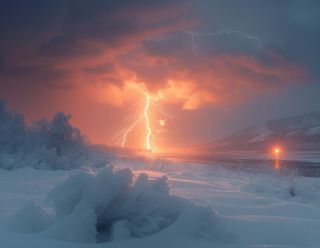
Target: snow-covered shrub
{"x":111,"y":205}
{"x":54,"y":144}
{"x":300,"y":189}
{"x":288,"y":187}
{"x":127,"y":209}
{"x":61,"y":136}
{"x":146,"y":205}
{"x":12,"y":130}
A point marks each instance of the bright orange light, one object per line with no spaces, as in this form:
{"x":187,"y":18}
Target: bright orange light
{"x":162,"y":122}
{"x":276,"y":151}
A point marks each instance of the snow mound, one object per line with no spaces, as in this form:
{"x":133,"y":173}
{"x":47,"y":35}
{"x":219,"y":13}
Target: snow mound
{"x":30,"y":219}
{"x":78,"y":226}
{"x":110,"y":205}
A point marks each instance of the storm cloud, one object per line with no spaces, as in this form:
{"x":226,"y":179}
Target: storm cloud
{"x":191,"y":54}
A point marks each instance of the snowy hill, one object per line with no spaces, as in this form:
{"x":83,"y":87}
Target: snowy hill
{"x":294,"y":133}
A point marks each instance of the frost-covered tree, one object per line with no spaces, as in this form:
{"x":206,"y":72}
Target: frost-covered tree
{"x":12,"y":130}
{"x":36,"y":135}
{"x":61,"y":135}
{"x":53,"y":144}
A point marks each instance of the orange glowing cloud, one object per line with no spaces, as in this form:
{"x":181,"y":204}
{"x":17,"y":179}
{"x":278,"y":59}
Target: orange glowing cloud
{"x":126,"y":94}
{"x":208,"y":80}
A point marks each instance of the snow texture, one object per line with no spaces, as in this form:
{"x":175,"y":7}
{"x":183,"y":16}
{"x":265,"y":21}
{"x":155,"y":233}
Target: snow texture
{"x":108,"y":206}
{"x":240,"y":208}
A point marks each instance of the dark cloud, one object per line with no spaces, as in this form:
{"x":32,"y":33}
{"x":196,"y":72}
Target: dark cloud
{"x":290,"y":27}
{"x":65,"y":46}
{"x":38,"y":38}
{"x":37,"y":75}
{"x":112,"y":24}
{"x":55,"y":46}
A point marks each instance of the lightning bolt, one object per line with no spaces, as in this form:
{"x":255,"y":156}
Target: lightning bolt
{"x":228,"y":32}
{"x":128,"y":130}
{"x":147,"y":121}
{"x":143,"y":117}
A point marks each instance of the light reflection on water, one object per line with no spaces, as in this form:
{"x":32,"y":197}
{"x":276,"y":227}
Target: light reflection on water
{"x":277,"y":164}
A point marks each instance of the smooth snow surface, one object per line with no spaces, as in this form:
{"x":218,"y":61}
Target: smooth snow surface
{"x":206,"y":207}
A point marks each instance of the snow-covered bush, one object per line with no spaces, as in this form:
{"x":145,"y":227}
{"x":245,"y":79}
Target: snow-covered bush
{"x":61,"y":136}
{"x":114,"y":205}
{"x":54,"y":144}
{"x":146,"y":206}
{"x":12,"y":130}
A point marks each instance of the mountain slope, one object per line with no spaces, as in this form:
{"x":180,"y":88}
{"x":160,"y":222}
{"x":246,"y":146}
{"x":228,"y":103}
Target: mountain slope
{"x":294,"y":133}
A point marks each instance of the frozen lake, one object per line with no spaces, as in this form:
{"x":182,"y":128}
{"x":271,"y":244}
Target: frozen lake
{"x":301,"y":163}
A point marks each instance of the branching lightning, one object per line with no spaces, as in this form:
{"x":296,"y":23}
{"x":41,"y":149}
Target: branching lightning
{"x":228,"y":32}
{"x":142,"y":119}
{"x":147,"y":121}
{"x":128,"y":130}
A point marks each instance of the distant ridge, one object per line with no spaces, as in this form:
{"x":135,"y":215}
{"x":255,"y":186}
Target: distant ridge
{"x":301,"y":132}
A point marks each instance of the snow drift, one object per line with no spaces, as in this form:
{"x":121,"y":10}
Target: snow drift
{"x":30,"y":219}
{"x":114,"y":205}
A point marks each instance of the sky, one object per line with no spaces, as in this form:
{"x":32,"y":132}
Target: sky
{"x":208,"y":67}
